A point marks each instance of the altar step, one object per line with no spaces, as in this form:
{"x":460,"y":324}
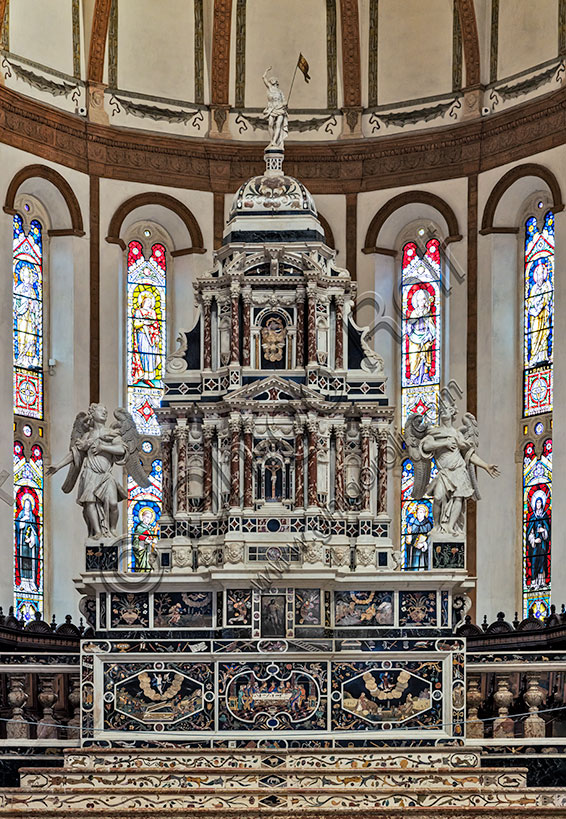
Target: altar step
{"x":119,"y":783}
{"x":53,"y":780}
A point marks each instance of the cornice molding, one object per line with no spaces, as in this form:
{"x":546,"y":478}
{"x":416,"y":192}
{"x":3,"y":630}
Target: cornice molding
{"x":344,"y":166}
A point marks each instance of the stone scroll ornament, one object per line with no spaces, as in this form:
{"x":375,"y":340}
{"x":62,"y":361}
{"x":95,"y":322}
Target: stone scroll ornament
{"x":455,"y":455}
{"x":94,"y":449}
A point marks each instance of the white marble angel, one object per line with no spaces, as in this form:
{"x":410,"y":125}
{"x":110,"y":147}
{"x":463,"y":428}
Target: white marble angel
{"x":94,"y":449}
{"x":275,"y":111}
{"x":455,"y":454}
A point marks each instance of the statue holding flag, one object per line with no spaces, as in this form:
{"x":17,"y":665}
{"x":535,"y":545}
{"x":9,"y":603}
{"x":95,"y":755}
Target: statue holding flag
{"x":276,"y":109}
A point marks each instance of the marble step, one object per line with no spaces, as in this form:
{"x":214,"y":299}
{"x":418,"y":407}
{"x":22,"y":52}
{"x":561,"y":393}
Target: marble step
{"x":24,"y":802}
{"x":349,"y":758}
{"x":226,"y":778}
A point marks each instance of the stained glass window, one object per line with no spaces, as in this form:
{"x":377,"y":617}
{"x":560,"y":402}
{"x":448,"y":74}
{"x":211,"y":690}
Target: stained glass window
{"x":27,"y":305}
{"x":28,"y":531}
{"x":28,"y":319}
{"x":538,"y":314}
{"x":537,"y":516}
{"x":420,"y":383}
{"x":146,"y":349}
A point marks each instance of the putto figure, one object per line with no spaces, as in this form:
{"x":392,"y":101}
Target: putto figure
{"x":455,"y":455}
{"x":94,"y":449}
{"x":275,"y":111}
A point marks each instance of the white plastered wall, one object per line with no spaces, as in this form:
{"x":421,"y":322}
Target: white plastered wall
{"x":67,"y":390}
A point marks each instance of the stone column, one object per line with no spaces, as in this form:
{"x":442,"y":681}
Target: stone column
{"x":339,"y":493}
{"x":17,"y":726}
{"x":166,"y":462}
{"x":181,"y":434}
{"x":207,"y":435}
{"x":235,"y":328}
{"x":312,"y":427}
{"x":381,"y":472}
{"x":248,"y":462}
{"x":339,"y":343}
{"x":299,"y":465}
{"x":311,"y":323}
{"x":234,"y":424}
{"x":206,"y":332}
{"x":365,"y":473}
{"x":300,"y":341}
{"x":246,"y":325}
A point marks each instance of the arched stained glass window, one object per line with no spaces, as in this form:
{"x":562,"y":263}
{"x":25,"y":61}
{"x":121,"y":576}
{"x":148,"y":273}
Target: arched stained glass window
{"x":537,"y":517}
{"x":538,"y":315}
{"x":538,"y":343}
{"x":146,"y":350}
{"x":28,"y":322}
{"x":420,"y":383}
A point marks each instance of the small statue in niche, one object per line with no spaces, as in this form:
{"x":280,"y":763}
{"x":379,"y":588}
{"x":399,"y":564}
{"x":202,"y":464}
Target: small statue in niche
{"x":94,"y":449}
{"x":273,"y":336}
{"x":276,"y":112}
{"x":455,"y":453}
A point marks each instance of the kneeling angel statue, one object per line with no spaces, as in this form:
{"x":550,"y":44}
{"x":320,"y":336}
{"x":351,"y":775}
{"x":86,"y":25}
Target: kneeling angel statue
{"x":455,"y":455}
{"x":94,"y":449}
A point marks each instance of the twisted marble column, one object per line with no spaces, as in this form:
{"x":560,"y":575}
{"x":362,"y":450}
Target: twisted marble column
{"x":299,"y":466}
{"x":248,"y":463}
{"x":339,"y":344}
{"x":235,"y":461}
{"x":207,"y":435}
{"x":312,"y":427}
{"x":206,"y":332}
{"x":339,"y":493}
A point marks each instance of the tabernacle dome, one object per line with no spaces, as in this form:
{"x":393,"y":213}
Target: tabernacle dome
{"x":282,"y":449}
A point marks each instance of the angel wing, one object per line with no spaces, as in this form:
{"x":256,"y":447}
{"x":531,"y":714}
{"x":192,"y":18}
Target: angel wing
{"x":470,"y":431}
{"x":79,"y":429}
{"x":416,"y":428}
{"x":131,"y":438}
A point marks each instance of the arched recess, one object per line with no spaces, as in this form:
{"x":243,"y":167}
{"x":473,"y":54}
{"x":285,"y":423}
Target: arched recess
{"x":59,"y":182}
{"x":328,"y":234}
{"x":163,"y":200}
{"x":505,"y":183}
{"x":400,"y":201}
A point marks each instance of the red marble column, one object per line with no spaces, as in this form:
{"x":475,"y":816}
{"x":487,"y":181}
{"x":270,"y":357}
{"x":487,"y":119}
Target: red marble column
{"x":339,"y":347}
{"x":365,"y":475}
{"x":235,"y":330}
{"x":235,"y":462}
{"x":246,"y":324}
{"x":311,"y":325}
{"x":339,"y":493}
{"x":206,"y":333}
{"x":300,"y":327}
{"x":167,"y":471}
{"x":248,"y":463}
{"x":312,"y":464}
{"x":207,"y":435}
{"x":181,"y":487}
{"x":299,"y":467}
{"x":382,"y":471}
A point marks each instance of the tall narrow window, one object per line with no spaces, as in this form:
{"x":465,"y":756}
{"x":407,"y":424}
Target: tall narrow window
{"x":146,"y":342}
{"x":420,"y":384}
{"x":27,"y":266}
{"x":538,"y":342}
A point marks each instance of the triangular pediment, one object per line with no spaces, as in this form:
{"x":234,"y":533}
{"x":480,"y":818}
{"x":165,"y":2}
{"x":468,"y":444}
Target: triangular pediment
{"x":272,"y":389}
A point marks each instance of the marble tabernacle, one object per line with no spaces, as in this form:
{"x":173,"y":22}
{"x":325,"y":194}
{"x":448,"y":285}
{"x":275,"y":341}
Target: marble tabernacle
{"x":275,"y":608}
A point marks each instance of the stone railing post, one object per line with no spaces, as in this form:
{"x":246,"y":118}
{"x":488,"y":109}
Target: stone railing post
{"x":534,"y":696}
{"x":503,"y":699}
{"x":474,"y":728}
{"x":47,"y":727}
{"x":17,"y":726}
